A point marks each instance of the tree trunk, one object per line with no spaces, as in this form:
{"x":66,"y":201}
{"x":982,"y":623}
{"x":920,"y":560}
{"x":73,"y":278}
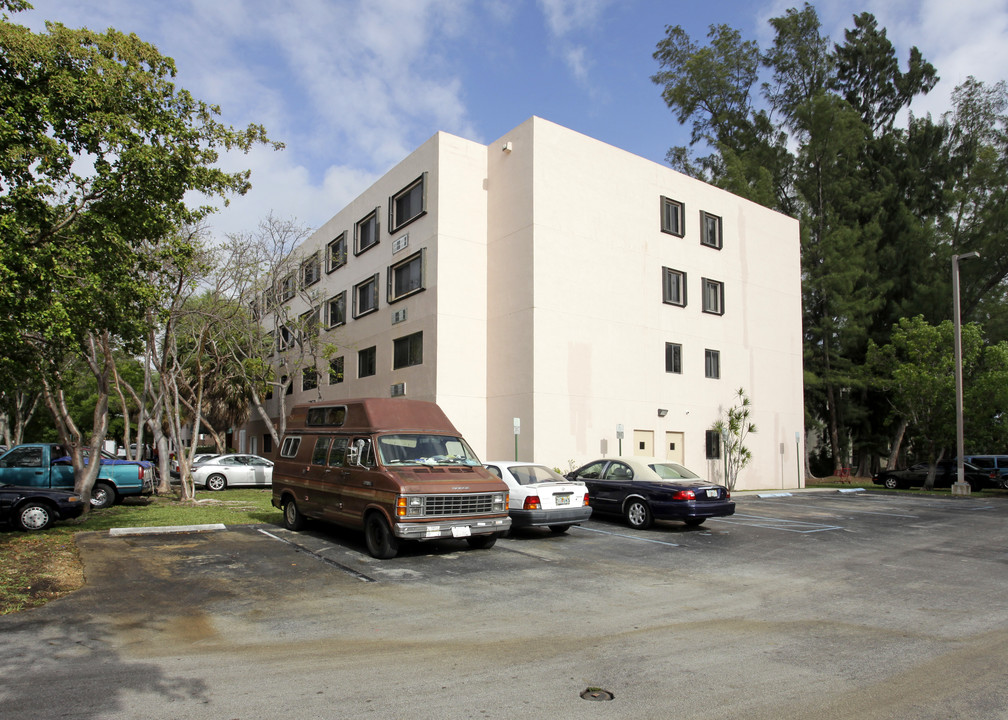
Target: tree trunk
{"x":897,"y":443}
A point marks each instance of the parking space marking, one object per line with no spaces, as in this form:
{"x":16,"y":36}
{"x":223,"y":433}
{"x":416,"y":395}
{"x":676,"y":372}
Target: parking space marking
{"x":628,"y":537}
{"x":328,"y":561}
{"x":773,"y":523}
{"x":833,"y":509}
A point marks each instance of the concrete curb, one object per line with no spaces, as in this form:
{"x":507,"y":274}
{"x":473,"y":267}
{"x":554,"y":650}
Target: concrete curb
{"x":163,"y":530}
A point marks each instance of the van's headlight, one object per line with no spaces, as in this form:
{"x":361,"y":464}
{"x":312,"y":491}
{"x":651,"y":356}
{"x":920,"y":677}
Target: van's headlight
{"x":500,"y":502}
{"x":409,"y":506}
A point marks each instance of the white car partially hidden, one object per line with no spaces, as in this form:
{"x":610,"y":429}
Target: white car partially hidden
{"x":540,"y":497}
{"x":234,"y":470}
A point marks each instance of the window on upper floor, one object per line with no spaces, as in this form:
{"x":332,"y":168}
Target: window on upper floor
{"x":367,"y":362}
{"x":366,"y":232}
{"x":407,"y":351}
{"x":710,"y":229}
{"x":309,"y":379}
{"x":673,"y":358}
{"x":336,"y":253}
{"x":336,"y":370}
{"x":713,"y":296}
{"x":406,"y":277}
{"x":408,"y":204}
{"x":712,"y":364}
{"x":673,"y":287}
{"x":311,"y":270}
{"x":365,"y":297}
{"x":336,"y":310}
{"x":287,"y":288}
{"x":309,"y":324}
{"x":672,"y":219}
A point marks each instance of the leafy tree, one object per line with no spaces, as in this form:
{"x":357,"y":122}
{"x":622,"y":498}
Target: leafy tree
{"x":734,"y":428}
{"x":98,"y":150}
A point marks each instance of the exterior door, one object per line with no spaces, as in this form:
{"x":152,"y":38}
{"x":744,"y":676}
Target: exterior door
{"x":643,"y":442}
{"x":674,"y":447}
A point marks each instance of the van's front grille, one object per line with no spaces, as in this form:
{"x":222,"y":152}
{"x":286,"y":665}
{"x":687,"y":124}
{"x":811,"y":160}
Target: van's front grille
{"x":467,"y":504}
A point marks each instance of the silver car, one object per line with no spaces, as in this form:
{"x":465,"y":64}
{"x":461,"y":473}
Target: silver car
{"x":234,"y":470}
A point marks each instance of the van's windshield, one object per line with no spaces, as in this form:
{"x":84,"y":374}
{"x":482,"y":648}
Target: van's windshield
{"x":425,"y":450}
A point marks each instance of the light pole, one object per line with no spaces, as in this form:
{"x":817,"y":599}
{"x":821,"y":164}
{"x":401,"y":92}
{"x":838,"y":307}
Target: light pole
{"x":960,"y":487}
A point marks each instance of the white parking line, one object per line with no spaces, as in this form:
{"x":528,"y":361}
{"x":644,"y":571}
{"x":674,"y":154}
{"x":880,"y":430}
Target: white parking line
{"x":629,"y":537}
{"x":832,"y":509}
{"x":776,"y":523}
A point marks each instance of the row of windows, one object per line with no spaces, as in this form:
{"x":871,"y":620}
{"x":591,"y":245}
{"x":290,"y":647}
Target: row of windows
{"x":673,"y":222}
{"x":404,"y":278}
{"x":674,"y":291}
{"x":674,"y":360}
{"x":407,"y":351}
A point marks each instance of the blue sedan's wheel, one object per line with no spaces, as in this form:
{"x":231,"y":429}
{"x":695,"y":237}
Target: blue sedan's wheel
{"x":638,"y":514}
{"x":34,"y":516}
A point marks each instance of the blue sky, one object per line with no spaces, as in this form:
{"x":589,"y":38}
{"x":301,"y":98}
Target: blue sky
{"x":352,"y":86}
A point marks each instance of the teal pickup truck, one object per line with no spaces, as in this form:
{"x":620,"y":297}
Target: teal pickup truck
{"x":47,"y":465}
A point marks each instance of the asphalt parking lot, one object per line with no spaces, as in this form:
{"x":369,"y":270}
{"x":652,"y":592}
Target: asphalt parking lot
{"x":854,"y":605}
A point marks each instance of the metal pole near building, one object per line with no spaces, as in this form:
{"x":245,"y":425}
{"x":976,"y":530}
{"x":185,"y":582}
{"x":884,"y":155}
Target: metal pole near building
{"x":960,"y":487}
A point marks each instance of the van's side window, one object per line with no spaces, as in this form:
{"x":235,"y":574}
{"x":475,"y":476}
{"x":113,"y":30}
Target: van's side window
{"x":290,"y":447}
{"x":339,"y":446}
{"x":320,"y":452}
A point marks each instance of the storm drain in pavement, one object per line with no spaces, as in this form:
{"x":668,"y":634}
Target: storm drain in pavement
{"x":594,"y":693}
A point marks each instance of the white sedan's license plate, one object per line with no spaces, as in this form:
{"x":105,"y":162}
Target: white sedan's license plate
{"x":562,"y":499}
{"x":712,"y":493}
{"x":463,"y":531}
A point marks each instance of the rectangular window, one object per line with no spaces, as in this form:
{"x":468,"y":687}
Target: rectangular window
{"x":367,"y":362}
{"x":674,"y":287}
{"x":267,"y":444}
{"x":290,"y":446}
{"x":321,"y":451}
{"x":408,"y":204}
{"x":673,"y":358}
{"x":406,"y":277}
{"x":309,"y":379}
{"x":308,"y":325}
{"x":336,"y":370}
{"x":366,"y":232}
{"x":407,"y":351}
{"x":336,"y":310}
{"x":713,"y":443}
{"x":713,"y":296}
{"x":710,"y":230}
{"x":712,"y":364}
{"x":336,"y":253}
{"x":365,"y":297}
{"x":286,"y":289}
{"x":311,"y":271}
{"x":672,"y":217}
{"x":284,"y":337}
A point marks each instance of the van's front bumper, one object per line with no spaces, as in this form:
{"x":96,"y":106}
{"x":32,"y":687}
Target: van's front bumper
{"x":451,"y":528}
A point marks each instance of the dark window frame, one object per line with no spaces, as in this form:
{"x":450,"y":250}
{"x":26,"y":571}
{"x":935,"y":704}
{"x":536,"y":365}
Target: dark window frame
{"x":336,"y":253}
{"x":340,"y":300}
{"x":367,"y":362}
{"x":678,"y":227}
{"x":667,"y":298}
{"x":705,"y":284}
{"x":409,"y":192}
{"x":311,"y":270}
{"x":337,"y":370}
{"x":420,"y":257}
{"x":357,"y":310}
{"x":359,"y":247}
{"x":407,"y":351}
{"x":673,"y":358}
{"x":712,"y":364}
{"x":705,"y":227}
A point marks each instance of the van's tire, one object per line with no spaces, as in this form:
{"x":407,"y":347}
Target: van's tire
{"x":381,"y":543}
{"x":216,"y":482}
{"x":103,"y":495}
{"x":292,"y":517}
{"x":481,"y":542}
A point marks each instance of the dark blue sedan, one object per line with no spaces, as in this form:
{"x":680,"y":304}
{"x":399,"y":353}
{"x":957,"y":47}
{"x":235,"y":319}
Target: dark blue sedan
{"x":645,"y":489}
{"x":30,"y":508}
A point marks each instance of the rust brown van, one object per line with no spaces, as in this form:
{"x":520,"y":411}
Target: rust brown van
{"x":394,"y":467}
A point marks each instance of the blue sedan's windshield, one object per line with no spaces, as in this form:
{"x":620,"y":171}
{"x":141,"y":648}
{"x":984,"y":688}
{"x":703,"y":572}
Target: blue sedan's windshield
{"x":425,"y":450}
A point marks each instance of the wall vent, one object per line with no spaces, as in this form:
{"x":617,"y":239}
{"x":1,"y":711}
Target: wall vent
{"x":400,"y":243}
{"x":399,"y":316}
{"x":398,"y":390}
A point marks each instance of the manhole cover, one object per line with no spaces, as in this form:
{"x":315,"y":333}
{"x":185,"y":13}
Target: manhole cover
{"x":593,"y":693}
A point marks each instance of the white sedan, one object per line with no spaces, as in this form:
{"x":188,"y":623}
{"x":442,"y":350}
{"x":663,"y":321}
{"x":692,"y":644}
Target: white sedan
{"x":542,"y":497}
{"x":234,"y":470}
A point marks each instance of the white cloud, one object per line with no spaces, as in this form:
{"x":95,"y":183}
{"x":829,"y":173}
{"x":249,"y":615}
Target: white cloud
{"x":573,"y":17}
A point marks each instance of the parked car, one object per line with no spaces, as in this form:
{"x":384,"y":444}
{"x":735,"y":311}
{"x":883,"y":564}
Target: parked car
{"x":995,"y":463}
{"x":645,"y":489}
{"x":540,"y":497}
{"x":945,"y":475}
{"x":233,"y":470}
{"x":173,"y":462}
{"x":33,"y":508}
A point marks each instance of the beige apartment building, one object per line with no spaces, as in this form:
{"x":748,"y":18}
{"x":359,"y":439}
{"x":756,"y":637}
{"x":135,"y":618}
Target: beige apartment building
{"x":562,"y":299}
